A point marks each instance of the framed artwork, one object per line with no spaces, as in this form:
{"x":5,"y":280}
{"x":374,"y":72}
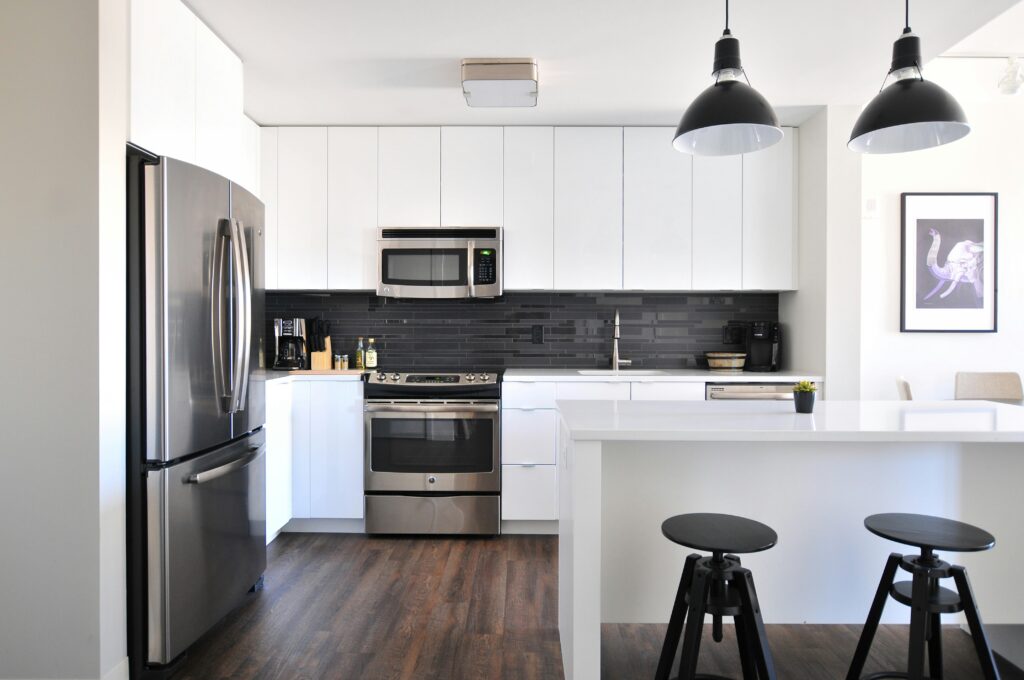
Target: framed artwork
{"x":948,"y":263}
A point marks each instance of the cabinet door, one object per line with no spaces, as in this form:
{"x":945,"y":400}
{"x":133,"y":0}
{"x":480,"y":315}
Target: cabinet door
{"x":163,"y":78}
{"x":218,"y":105}
{"x":300,"y":449}
{"x":529,"y":437}
{"x":588,"y":208}
{"x":717,"y":222}
{"x":409,"y":172}
{"x":594,"y":390}
{"x":769,"y":216}
{"x":302,"y":207}
{"x":279,"y":455}
{"x":656,"y":212}
{"x":352,"y":208}
{"x":268,"y":194}
{"x":471,"y":176}
{"x":667,"y":391}
{"x":529,"y":492}
{"x":529,"y":208}
{"x":336,"y":450}
{"x":249,"y":164}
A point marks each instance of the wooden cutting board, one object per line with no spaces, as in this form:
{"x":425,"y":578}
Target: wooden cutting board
{"x":321,"y":361}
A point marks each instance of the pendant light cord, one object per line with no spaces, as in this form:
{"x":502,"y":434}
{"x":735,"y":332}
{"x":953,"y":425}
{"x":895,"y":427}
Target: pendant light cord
{"x":906,"y":24}
{"x":727,"y":15}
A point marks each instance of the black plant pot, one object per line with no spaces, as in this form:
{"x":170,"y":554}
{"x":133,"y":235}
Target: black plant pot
{"x":804,"y":402}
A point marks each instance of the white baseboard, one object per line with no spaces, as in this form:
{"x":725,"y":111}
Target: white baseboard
{"x":118,"y":672}
{"x":529,"y":527}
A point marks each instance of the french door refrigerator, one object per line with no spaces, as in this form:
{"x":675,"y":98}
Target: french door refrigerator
{"x":196,"y":447}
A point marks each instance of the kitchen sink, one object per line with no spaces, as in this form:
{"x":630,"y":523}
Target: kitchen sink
{"x":621,"y":371}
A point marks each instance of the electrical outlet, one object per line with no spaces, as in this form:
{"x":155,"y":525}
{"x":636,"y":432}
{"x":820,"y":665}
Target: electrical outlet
{"x":537,"y":333}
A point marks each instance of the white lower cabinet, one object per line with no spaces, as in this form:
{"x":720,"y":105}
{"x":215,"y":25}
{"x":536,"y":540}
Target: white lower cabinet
{"x":528,"y":437}
{"x":667,"y":391}
{"x":279,"y":456}
{"x":616,"y":391}
{"x":327,"y":449}
{"x":529,"y":492}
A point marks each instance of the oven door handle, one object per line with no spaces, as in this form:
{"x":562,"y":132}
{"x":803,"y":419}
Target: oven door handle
{"x":431,"y":408}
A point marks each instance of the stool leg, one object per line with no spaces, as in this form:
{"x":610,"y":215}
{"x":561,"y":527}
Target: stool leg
{"x":746,"y":652}
{"x":675,"y":622}
{"x":867,"y":634}
{"x":755,"y":625}
{"x":918,"y":624}
{"x":935,"y":648}
{"x":695,"y":622}
{"x":981,"y":646}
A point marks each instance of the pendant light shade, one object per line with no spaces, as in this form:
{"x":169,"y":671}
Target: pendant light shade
{"x":911,"y":113}
{"x":730,"y":117}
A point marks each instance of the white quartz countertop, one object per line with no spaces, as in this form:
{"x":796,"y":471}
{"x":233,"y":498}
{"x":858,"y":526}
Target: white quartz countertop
{"x":832,"y":421}
{"x":653,"y":375}
{"x":348,"y":376}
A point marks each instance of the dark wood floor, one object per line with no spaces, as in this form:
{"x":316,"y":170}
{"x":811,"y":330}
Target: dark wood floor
{"x":350,"y":607}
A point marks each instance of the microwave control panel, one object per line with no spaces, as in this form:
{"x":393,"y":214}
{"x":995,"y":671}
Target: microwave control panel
{"x":485,"y":266}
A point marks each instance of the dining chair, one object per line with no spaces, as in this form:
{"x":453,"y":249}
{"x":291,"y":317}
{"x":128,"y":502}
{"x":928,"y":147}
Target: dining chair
{"x":989,"y":386}
{"x":903,"y":389}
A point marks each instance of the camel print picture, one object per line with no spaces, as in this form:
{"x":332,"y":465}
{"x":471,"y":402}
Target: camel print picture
{"x":949,"y":277}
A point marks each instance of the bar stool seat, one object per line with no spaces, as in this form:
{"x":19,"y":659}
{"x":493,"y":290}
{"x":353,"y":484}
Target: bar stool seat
{"x":923,"y":594}
{"x":719,"y":586}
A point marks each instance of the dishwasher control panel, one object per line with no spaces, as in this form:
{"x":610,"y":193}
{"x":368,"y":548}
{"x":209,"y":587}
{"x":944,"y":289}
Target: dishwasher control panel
{"x":749,"y":391}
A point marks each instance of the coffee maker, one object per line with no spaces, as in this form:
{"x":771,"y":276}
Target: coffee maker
{"x":290,"y":348}
{"x":761,"y":340}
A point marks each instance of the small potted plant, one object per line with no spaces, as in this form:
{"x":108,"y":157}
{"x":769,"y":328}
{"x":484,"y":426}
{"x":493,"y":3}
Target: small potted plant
{"x":803,"y":396}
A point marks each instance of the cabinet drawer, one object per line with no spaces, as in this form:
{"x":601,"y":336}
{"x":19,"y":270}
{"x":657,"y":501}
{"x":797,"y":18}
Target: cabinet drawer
{"x":668,"y":391}
{"x":529,"y":437}
{"x":529,"y":492}
{"x":593,"y":390}
{"x":528,"y":395}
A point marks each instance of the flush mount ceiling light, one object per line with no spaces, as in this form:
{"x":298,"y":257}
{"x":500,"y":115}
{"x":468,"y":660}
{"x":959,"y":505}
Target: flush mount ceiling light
{"x":730,"y":117}
{"x":1013,"y":78}
{"x":499,"y":82}
{"x":912,"y":113}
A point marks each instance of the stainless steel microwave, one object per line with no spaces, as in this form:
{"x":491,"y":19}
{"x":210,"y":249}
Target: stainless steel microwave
{"x":432,"y":262}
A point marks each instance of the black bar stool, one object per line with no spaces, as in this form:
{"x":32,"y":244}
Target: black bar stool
{"x":923,"y":594}
{"x":720,"y":586}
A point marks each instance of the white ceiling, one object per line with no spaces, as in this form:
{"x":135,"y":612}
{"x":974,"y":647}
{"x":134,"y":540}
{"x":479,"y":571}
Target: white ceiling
{"x":1003,"y":36}
{"x":396,"y":62}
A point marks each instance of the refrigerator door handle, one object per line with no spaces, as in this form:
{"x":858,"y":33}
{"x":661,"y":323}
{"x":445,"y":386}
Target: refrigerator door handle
{"x":244,"y":329}
{"x":242,"y":324}
{"x":219,"y":321}
{"x":253,"y":453}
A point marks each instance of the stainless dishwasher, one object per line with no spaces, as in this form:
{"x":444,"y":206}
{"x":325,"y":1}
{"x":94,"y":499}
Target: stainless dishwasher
{"x":748,"y":391}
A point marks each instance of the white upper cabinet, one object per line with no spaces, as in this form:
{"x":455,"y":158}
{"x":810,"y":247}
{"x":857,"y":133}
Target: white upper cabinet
{"x":302,"y":208}
{"x":529,"y":208}
{"x":471,"y":176}
{"x":219,"y":136}
{"x":409,"y":177}
{"x":163,"y":78}
{"x":588,"y":208}
{"x":657,"y":211}
{"x":352,"y":208}
{"x":769,"y":216}
{"x":717,"y":222}
{"x":249,"y":167}
{"x":268,"y":194}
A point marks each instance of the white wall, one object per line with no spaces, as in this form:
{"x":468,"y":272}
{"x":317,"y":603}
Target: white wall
{"x":63,"y":72}
{"x":990,"y":158}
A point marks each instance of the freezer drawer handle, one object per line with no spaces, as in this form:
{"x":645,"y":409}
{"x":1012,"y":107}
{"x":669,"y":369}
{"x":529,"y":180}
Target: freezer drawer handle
{"x":237,"y":464}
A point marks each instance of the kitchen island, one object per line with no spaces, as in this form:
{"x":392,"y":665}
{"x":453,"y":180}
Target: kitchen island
{"x":627,"y":466}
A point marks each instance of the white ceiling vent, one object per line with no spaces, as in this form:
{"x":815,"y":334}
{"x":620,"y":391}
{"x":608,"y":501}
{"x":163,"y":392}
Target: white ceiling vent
{"x":500,"y":82}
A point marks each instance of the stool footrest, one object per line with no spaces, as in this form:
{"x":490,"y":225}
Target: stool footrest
{"x":942,"y":601}
{"x":890,"y":674}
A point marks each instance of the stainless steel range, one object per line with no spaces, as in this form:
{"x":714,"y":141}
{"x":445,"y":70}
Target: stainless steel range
{"x":433,"y":453}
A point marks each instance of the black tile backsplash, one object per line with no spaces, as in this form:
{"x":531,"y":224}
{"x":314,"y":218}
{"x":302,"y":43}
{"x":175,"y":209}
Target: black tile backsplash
{"x":659,"y":330}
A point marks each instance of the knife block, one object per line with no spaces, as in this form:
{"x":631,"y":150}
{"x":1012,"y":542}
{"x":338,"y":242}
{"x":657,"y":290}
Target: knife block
{"x":321,"y":361}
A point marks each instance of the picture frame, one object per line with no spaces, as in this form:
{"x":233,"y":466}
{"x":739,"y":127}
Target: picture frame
{"x":948,"y":262}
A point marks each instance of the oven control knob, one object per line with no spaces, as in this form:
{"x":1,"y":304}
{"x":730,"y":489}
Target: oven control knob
{"x":380,"y":377}
{"x":395,"y":377}
{"x":432,"y":479}
{"x":482,"y":377}
{"x":470,"y":377}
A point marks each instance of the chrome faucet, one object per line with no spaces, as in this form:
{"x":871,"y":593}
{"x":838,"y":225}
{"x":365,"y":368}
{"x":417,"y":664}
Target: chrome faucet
{"x":616,"y":361}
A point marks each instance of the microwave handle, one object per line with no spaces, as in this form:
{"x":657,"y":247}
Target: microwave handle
{"x":470,"y":273}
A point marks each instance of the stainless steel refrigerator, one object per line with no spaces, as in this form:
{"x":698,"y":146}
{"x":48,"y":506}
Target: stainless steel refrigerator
{"x":196,"y":446}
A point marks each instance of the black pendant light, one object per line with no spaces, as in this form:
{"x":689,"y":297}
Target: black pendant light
{"x":730,"y":117}
{"x":912,"y":113}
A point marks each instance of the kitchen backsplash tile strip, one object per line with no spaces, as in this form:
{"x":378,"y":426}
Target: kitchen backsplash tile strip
{"x":659,"y":330}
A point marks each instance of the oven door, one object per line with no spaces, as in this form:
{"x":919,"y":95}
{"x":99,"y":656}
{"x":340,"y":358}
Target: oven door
{"x":425,"y":267}
{"x":442,"y":447}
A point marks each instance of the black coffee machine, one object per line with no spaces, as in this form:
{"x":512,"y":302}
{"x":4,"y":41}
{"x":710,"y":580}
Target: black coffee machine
{"x":290,"y":350}
{"x":761,"y":340}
